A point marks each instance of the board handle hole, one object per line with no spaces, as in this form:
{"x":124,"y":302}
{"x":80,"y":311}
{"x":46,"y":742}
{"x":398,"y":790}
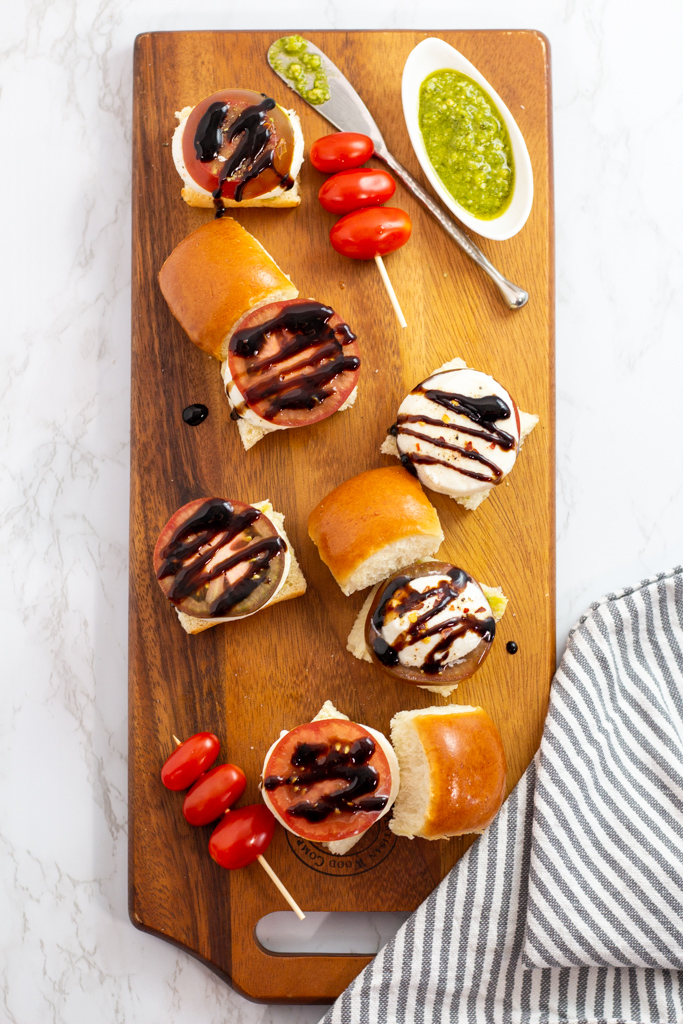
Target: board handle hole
{"x":324,"y":933}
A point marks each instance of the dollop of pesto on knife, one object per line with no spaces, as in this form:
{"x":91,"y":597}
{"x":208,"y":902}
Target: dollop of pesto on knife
{"x":290,"y":56}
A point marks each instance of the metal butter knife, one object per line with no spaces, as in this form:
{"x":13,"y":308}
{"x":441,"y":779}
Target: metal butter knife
{"x":347,"y":112}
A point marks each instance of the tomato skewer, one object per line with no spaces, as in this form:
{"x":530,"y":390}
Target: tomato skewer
{"x":241,"y":838}
{"x":368,"y":230}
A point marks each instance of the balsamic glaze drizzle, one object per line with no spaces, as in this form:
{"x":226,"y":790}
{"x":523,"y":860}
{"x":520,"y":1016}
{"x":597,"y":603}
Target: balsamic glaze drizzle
{"x":308,"y":325}
{"x":404,"y":600}
{"x":251,"y":155}
{"x":511,"y":647}
{"x":193,"y":415}
{"x":318,"y":762}
{"x":484,"y":411}
{"x":214,"y":525}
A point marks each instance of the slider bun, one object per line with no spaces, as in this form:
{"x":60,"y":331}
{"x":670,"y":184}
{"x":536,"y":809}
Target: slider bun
{"x":214,"y":277}
{"x":453,"y":771}
{"x":372,"y":525}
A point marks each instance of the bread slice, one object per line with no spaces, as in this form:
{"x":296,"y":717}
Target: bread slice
{"x":294,"y":585}
{"x":453,"y":771}
{"x":194,"y":196}
{"x":527,"y":422}
{"x":356,"y":643}
{"x":251,"y":433}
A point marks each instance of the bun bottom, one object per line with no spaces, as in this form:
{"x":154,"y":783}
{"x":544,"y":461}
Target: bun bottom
{"x":251,"y":434}
{"x":293,"y":586}
{"x":283,"y":199}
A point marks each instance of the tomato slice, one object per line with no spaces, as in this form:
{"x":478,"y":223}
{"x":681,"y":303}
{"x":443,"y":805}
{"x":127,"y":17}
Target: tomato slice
{"x":242,"y":836}
{"x":340,"y":150}
{"x":219,"y":559}
{"x":257,"y":152}
{"x":294,"y":363}
{"x":364,"y":234}
{"x":352,"y":190}
{"x":189,"y":760}
{"x":328,"y":780}
{"x":213,"y":793}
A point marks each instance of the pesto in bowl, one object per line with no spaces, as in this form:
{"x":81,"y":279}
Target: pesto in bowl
{"x":467,"y":142}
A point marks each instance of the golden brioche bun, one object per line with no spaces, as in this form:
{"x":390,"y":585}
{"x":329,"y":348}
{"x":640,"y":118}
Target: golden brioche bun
{"x":372,"y":525}
{"x":214,"y":277}
{"x":453,"y":771}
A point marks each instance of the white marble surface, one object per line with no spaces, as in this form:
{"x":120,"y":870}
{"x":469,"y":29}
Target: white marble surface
{"x":69,"y":954}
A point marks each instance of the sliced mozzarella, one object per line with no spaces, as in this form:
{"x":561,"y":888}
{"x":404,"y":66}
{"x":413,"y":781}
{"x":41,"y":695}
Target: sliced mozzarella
{"x":450,"y":474}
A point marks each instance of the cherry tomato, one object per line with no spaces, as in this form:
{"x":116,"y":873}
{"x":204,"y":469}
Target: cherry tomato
{"x":213,"y":793}
{"x":364,"y":234}
{"x":351,"y":190}
{"x":189,"y":760}
{"x":242,"y":836}
{"x":327,"y":735}
{"x":337,"y":152}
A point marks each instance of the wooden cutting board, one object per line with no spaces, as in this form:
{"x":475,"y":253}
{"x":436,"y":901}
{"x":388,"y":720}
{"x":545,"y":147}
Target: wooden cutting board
{"x":247,"y":681}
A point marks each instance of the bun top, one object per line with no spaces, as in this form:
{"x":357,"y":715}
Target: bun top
{"x":366,"y":518}
{"x":214,"y":277}
{"x":467,"y":770}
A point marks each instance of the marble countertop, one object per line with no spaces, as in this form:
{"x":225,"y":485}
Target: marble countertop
{"x":69,"y":953}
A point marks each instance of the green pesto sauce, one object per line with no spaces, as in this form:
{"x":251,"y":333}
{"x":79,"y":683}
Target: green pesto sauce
{"x":290,"y":57}
{"x":467,"y":143}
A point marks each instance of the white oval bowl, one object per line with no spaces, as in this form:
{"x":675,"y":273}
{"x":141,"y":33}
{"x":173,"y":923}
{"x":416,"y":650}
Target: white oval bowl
{"x":436,"y":55}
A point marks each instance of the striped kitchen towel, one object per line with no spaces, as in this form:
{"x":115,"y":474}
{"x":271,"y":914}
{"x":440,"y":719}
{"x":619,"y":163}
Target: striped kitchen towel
{"x":569,"y":908}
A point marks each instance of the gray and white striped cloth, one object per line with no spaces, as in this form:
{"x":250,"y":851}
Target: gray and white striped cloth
{"x":570,"y":907}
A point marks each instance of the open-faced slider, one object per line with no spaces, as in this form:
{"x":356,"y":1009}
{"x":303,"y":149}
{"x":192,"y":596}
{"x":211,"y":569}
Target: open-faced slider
{"x":330,"y":780}
{"x":460,"y":431}
{"x":430,"y":624}
{"x":220,"y":561}
{"x":238,"y":148}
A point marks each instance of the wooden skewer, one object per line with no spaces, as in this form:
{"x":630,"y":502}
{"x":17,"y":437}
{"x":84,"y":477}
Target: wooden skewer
{"x":285,"y":892}
{"x":176,"y":740}
{"x":390,"y":290}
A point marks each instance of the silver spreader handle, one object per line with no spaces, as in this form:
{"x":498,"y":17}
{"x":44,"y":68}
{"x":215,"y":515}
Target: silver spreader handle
{"x":515,"y":297}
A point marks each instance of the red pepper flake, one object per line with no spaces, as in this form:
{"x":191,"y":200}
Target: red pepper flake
{"x":469,"y":446}
{"x":417,"y":447}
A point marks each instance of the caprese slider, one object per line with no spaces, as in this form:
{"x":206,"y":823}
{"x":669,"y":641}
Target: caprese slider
{"x":220,"y":561}
{"x":460,"y":432}
{"x":430,"y":624}
{"x":238,"y":148}
{"x":453,"y":771}
{"x":372,"y":525}
{"x":286,"y":362}
{"x":330,"y":780}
